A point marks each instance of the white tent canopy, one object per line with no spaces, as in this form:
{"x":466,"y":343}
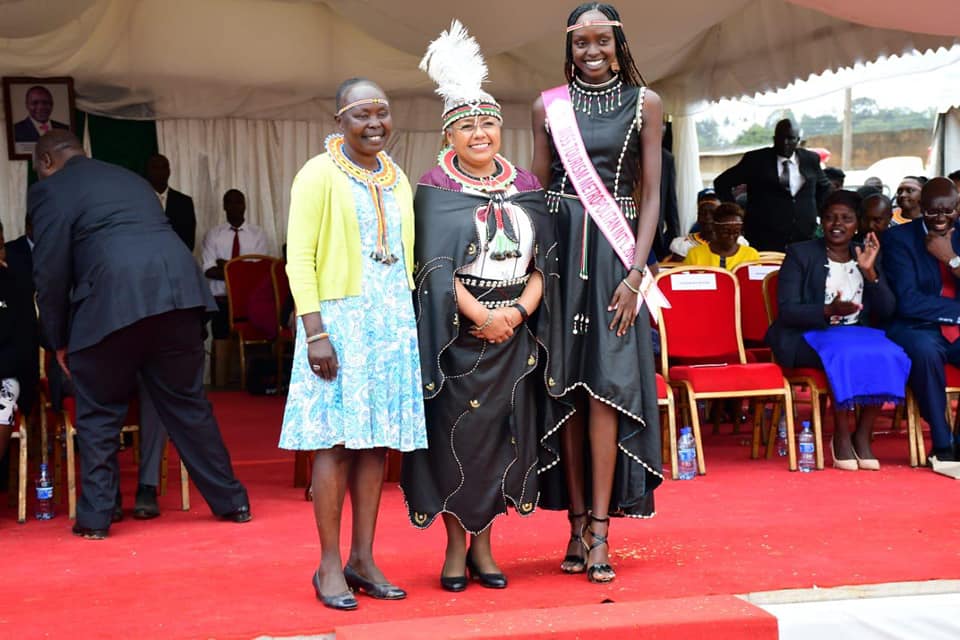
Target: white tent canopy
{"x":194,"y":64}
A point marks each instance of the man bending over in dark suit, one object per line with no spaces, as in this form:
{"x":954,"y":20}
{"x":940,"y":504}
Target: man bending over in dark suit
{"x":785,"y":187}
{"x":922,"y":260}
{"x":124,"y":298}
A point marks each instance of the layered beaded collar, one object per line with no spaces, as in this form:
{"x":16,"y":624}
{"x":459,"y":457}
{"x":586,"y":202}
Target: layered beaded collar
{"x":385,"y":175}
{"x":603,"y":97}
{"x":501,"y":179}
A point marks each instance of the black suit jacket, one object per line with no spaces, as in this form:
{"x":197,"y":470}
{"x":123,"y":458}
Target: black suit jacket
{"x":24,"y":131}
{"x":801,"y":291}
{"x":915,"y":277}
{"x":669,"y":225}
{"x":775,"y":218}
{"x":182,"y":217}
{"x":20,"y":261}
{"x":105,"y":254}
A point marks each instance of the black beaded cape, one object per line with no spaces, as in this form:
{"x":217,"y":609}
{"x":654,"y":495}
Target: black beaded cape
{"x":489,"y":406}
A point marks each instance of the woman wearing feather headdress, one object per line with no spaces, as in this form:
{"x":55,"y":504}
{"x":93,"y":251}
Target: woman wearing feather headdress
{"x":597,"y":146}
{"x":486,"y":281}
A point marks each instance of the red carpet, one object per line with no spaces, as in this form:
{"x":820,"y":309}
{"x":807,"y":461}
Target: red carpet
{"x":746,"y":526}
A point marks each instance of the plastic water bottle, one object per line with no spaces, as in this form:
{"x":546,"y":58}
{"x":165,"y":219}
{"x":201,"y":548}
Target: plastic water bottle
{"x":806,"y":462}
{"x":44,"y":494}
{"x":687,"y":455}
{"x":782,"y":436}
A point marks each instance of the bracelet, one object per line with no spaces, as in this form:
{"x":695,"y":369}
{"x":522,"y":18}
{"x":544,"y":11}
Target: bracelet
{"x":523,"y":312}
{"x":486,"y":322}
{"x":323,"y":335}
{"x":630,"y":286}
{"x":642,"y":270}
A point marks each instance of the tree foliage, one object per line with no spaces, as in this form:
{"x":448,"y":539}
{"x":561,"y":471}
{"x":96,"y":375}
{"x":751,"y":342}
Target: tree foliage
{"x":868,"y":117}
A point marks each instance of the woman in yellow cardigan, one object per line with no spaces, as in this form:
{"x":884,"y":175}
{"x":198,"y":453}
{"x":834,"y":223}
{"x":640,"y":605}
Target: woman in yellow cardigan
{"x":355,"y":386}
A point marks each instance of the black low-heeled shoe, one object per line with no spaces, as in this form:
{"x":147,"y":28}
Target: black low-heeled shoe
{"x":380,"y":591}
{"x":454,"y":583}
{"x":342,"y":601}
{"x":488,"y":580}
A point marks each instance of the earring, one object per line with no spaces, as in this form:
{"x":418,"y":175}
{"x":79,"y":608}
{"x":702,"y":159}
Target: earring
{"x":615,"y":66}
{"x":573,"y":70}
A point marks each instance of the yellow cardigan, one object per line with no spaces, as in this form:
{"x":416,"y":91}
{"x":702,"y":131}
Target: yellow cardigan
{"x":324,"y":260}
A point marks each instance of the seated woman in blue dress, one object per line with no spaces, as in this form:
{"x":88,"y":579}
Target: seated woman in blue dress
{"x":829,"y":290}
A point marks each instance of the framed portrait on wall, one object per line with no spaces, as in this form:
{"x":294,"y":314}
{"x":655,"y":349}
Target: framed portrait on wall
{"x":34,"y":106}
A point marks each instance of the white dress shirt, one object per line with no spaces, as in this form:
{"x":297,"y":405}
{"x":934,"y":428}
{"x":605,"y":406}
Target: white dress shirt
{"x":163,"y":198}
{"x":218,"y":245}
{"x":796,"y":180}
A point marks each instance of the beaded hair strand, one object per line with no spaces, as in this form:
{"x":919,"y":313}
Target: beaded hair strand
{"x":628,"y":68}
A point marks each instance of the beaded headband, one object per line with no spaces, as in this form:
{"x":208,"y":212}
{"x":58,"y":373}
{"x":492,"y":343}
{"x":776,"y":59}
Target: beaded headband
{"x":476,"y":109}
{"x":594,"y":23}
{"x":357,"y":103}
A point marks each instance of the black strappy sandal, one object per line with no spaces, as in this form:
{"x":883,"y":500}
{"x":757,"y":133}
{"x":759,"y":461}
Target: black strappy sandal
{"x":579,"y":562}
{"x":597,"y":540}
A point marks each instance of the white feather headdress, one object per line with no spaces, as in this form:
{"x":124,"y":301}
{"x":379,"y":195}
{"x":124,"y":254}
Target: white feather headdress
{"x":454,"y":62}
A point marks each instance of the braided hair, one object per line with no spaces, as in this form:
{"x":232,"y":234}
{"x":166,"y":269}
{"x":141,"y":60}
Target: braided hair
{"x":628,"y":68}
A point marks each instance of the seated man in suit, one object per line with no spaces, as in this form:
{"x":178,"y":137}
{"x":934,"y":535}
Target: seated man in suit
{"x":40,"y":107}
{"x":785,"y":188}
{"x":235,"y":237}
{"x":922,"y":260}
{"x":178,"y":206}
{"x":18,"y":347}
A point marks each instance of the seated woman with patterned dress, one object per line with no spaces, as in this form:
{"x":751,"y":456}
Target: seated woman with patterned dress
{"x":829,"y":291}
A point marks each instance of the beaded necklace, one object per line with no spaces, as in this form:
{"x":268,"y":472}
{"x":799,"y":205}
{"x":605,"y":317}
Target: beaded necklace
{"x":503,"y":176}
{"x":384,"y":177}
{"x":605,"y":96}
{"x":502,"y":242}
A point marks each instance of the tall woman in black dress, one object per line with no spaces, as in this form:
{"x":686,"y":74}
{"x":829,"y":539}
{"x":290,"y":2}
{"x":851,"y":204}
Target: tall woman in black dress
{"x":612,"y":444}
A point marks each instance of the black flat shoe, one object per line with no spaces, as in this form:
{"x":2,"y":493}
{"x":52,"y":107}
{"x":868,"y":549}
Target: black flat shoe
{"x":342,"y":601}
{"x":454,"y":583}
{"x":145,"y":507}
{"x":89,"y":534}
{"x":238,"y":515}
{"x":488,"y":580}
{"x":380,"y":591}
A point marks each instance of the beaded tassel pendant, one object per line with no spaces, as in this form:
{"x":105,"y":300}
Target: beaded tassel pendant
{"x":502,"y":241}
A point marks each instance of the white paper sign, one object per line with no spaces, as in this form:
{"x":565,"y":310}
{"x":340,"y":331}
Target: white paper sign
{"x":693,"y":281}
{"x":760,"y":271}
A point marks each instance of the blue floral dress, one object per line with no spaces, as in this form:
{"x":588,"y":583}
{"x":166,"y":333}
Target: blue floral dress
{"x":376,"y":399}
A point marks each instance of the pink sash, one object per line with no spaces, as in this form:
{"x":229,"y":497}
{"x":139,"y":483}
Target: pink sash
{"x":596,"y":199}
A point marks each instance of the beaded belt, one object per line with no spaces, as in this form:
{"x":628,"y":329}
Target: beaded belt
{"x":493,"y":284}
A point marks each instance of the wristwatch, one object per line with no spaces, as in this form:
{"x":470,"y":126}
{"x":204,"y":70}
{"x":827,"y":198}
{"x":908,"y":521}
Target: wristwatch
{"x":954,"y":262}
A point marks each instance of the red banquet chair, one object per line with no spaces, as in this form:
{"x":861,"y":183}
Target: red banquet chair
{"x":918,"y":446}
{"x":753,"y":314}
{"x":281,"y":291}
{"x":815,"y":380}
{"x":131,"y":424}
{"x":668,"y":431}
{"x":20,"y":434}
{"x":242,"y":276}
{"x":705,"y":359}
